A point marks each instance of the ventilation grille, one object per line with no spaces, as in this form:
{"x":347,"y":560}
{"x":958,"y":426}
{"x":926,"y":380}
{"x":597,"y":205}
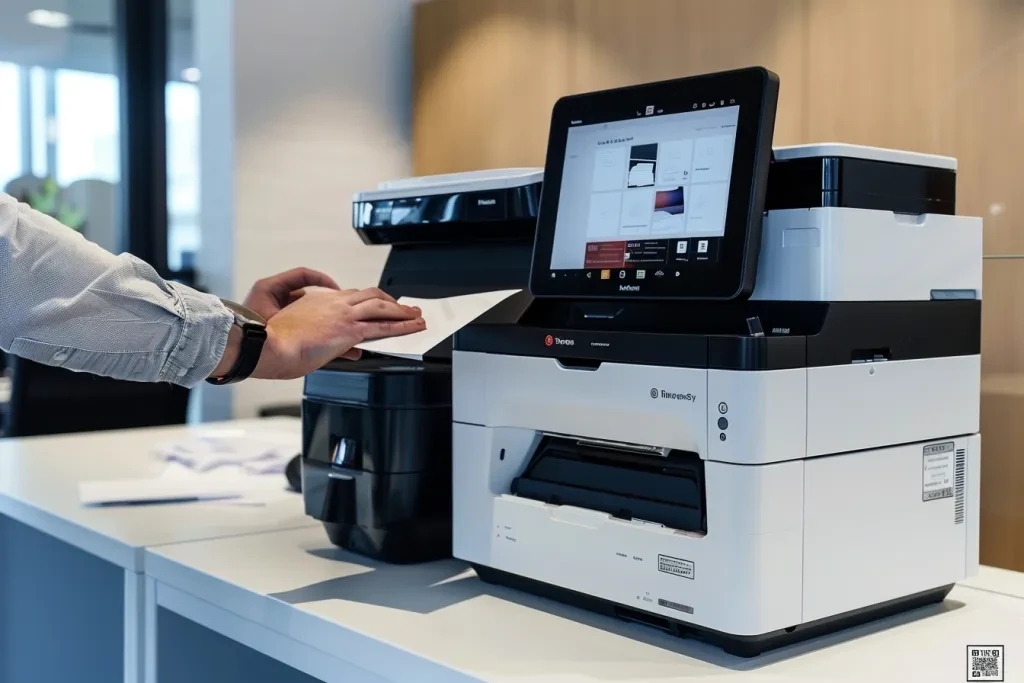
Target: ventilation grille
{"x":958,"y":482}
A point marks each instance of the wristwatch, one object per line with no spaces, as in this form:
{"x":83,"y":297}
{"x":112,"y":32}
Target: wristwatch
{"x":254,"y":334}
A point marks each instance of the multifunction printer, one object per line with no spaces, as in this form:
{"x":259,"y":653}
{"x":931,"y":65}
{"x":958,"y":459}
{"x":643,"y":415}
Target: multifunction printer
{"x":741,"y":401}
{"x":376,"y":455}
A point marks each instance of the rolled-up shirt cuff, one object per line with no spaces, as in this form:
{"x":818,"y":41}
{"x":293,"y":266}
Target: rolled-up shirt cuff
{"x":203,"y":340}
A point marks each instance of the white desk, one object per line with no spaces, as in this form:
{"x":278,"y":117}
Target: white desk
{"x":294,"y":599}
{"x":74,"y":575}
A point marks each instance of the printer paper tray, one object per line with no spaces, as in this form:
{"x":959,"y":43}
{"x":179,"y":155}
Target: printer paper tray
{"x":662,"y":489}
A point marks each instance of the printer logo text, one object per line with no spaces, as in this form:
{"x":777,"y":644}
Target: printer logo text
{"x":661,"y":393}
{"x":552,"y":340}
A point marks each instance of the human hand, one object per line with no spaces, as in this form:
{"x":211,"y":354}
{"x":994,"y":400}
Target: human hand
{"x":323,"y":324}
{"x":269,"y":295}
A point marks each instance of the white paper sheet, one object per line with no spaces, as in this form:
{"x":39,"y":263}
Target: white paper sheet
{"x":444,"y":318}
{"x":179,"y":484}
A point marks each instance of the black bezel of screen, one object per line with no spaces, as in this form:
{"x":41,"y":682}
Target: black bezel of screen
{"x":755,"y":91}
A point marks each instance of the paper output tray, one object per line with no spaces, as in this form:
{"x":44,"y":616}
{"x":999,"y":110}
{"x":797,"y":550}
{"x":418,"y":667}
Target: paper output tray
{"x":661,"y":489}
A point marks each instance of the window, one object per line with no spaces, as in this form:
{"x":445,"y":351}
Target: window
{"x":11,"y":152}
{"x":60,"y":144}
{"x":182,"y":104}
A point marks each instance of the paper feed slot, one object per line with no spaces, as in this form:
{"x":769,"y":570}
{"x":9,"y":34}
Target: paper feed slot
{"x":662,"y":489}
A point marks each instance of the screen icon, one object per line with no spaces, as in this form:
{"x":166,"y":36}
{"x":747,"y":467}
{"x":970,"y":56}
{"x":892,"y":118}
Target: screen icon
{"x":702,"y":246}
{"x":677,"y":273}
{"x":606,"y":274}
{"x":694,"y":105}
{"x":660,"y":273}
{"x":681,"y":247}
{"x":732,"y":101}
{"x":622,"y":275}
{"x":552,"y":275}
{"x":711,"y":103}
{"x":641,"y":274}
{"x":650,"y":109}
{"x":722,"y":103}
{"x":590,"y":274}
{"x":703,"y":105}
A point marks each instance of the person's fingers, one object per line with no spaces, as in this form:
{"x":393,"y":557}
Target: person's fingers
{"x":352,"y":354}
{"x":313,"y":289}
{"x":378,"y":309}
{"x":382,"y":329}
{"x":358,"y":296}
{"x":298,"y":278}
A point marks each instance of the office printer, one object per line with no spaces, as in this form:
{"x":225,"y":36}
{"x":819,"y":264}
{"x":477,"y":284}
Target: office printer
{"x":376,"y":456}
{"x":749,"y":460}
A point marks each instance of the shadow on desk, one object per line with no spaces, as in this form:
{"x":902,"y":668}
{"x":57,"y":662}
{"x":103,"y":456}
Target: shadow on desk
{"x":426,"y":588}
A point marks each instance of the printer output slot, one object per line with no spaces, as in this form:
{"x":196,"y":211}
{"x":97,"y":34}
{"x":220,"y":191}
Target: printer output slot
{"x":661,"y":488}
{"x":578,"y":363}
{"x":871,"y":355}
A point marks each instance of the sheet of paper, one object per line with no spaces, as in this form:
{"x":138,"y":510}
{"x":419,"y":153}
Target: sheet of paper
{"x":179,"y":484}
{"x":444,"y":318}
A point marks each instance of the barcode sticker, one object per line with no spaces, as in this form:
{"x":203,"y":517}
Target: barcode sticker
{"x":937,"y":471}
{"x":676,"y":566}
{"x":985,"y":663}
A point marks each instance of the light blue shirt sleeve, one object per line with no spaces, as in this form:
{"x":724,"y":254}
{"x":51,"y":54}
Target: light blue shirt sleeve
{"x":64,"y":301}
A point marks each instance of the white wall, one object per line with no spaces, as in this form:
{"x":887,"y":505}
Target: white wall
{"x":302,"y":103}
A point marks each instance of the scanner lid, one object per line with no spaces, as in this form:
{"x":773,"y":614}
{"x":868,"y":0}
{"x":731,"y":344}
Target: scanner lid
{"x":452,"y":183}
{"x":457,"y":208}
{"x":842,"y":150}
{"x":837,"y":175}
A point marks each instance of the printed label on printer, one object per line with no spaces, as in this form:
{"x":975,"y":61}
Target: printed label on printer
{"x":675,"y":566}
{"x":937,"y":471}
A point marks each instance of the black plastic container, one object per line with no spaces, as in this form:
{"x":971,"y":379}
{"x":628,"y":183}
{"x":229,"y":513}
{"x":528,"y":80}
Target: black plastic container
{"x":377,"y":467}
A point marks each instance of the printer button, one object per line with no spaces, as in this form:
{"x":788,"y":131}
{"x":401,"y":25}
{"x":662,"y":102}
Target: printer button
{"x":723,"y":423}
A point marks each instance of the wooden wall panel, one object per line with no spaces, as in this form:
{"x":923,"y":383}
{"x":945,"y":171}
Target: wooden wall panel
{"x":1002,"y":415}
{"x":878,"y":71}
{"x":986,"y":92}
{"x":619,"y":43}
{"x":487,"y":73}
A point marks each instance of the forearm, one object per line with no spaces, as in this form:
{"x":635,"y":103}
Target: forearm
{"x":66,"y":302}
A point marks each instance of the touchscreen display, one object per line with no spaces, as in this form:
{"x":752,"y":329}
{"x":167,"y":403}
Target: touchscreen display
{"x":646,"y":197}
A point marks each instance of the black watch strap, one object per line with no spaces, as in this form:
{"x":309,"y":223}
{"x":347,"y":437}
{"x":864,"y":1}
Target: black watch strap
{"x":254,"y":335}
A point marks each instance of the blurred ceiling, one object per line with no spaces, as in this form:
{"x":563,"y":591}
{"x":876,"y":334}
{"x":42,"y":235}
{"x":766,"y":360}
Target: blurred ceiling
{"x":88,"y":44}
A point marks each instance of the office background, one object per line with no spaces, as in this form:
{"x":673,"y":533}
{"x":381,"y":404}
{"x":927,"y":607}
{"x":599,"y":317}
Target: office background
{"x":271,"y":114}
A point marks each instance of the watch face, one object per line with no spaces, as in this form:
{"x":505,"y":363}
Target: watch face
{"x":242,"y":314}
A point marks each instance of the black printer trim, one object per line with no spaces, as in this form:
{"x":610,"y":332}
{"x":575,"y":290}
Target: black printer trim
{"x":504,"y":214}
{"x":852,"y":183}
{"x":796,"y":335}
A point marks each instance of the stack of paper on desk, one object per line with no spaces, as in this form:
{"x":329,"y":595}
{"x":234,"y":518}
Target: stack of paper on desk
{"x":243,"y":466}
{"x":444,"y":317}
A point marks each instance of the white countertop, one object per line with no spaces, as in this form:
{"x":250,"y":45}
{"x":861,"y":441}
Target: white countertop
{"x":437,"y":623}
{"x":39,"y":480}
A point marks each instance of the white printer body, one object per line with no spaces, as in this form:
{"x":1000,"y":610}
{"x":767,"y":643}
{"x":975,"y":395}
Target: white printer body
{"x":819,"y":470}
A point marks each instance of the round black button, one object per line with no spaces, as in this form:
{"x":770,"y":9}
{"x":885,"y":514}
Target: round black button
{"x":723,"y":423}
{"x":721,"y":437}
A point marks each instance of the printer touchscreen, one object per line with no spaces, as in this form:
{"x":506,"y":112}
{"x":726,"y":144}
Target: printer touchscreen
{"x":646,"y":197}
{"x":656,"y":191}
